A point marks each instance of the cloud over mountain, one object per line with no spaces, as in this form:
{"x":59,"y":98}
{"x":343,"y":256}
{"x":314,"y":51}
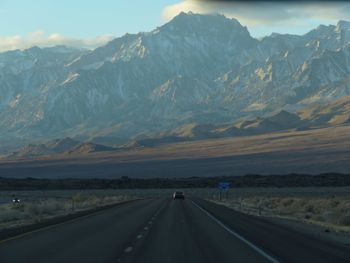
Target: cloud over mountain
{"x":275,"y":15}
{"x":40,"y":38}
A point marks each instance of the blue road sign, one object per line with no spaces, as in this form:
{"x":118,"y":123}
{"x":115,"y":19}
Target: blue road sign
{"x":224,"y":185}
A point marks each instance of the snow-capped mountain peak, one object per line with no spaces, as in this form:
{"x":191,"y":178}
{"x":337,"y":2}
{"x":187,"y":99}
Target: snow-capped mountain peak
{"x":194,"y":69}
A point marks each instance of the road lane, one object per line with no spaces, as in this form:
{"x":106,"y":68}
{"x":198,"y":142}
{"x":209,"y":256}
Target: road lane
{"x":283,"y":243}
{"x":96,"y":238}
{"x":166,"y":230}
{"x":183,"y":233}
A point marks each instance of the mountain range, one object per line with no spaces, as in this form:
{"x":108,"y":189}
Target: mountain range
{"x":196,"y":76}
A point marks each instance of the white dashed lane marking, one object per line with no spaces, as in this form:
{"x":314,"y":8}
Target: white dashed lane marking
{"x":128,"y":250}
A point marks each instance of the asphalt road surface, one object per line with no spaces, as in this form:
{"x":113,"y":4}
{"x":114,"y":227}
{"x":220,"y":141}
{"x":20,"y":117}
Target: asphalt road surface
{"x":166,"y":230}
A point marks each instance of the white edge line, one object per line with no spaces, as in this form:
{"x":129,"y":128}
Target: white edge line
{"x":250,"y":244}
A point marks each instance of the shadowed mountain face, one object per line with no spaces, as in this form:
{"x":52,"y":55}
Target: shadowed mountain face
{"x":201,"y":69}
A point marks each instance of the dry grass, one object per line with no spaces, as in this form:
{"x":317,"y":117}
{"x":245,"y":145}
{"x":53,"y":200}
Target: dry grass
{"x":333,"y":212}
{"x":327,"y":207}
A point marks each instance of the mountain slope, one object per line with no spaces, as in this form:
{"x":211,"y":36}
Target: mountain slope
{"x":86,"y":148}
{"x":202,"y":69}
{"x":335,"y":113}
{"x":57,"y":146}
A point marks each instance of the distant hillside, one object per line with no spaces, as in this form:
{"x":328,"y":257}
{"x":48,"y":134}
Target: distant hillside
{"x":85,"y":148}
{"x":65,"y":146}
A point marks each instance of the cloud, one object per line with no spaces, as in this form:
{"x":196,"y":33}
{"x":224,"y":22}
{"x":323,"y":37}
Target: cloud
{"x":257,"y":14}
{"x":39,"y":38}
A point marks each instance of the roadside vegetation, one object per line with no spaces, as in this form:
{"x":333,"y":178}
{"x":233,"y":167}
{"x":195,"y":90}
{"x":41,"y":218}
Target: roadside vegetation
{"x":34,"y":207}
{"x":334,"y":211}
{"x":328,"y":207}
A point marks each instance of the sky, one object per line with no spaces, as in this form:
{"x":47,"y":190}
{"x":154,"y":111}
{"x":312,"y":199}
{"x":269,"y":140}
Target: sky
{"x":91,"y":23}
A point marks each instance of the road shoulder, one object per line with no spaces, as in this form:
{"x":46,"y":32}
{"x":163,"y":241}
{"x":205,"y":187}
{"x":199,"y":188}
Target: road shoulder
{"x":14,"y":232}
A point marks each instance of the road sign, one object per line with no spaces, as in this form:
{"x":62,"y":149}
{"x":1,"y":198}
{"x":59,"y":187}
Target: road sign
{"x":224,"y":185}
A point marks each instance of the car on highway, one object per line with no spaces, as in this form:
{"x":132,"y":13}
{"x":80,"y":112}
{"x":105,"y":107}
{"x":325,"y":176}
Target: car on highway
{"x":178,"y":195}
{"x":16,"y":200}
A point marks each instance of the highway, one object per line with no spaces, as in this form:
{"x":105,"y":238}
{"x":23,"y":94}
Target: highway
{"x":166,"y":230}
